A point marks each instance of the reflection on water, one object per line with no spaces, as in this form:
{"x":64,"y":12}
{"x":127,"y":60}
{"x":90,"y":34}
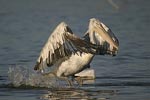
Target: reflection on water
{"x":74,"y":93}
{"x":104,"y":88}
{"x":23,"y":78}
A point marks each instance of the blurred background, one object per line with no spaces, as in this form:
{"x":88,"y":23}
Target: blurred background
{"x":25,"y":26}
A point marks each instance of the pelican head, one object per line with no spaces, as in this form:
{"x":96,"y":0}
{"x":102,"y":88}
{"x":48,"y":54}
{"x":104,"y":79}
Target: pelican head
{"x":100,"y":34}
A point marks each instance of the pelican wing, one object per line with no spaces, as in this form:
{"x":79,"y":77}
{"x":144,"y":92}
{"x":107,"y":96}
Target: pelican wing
{"x":62,"y":43}
{"x":100,"y":34}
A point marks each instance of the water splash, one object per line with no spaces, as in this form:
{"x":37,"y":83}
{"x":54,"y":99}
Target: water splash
{"x":19,"y":76}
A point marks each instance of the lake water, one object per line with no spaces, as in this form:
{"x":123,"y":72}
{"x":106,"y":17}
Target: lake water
{"x":26,"y":25}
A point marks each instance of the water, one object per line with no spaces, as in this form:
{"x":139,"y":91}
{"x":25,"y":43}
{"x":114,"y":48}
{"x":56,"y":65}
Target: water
{"x":26,"y":25}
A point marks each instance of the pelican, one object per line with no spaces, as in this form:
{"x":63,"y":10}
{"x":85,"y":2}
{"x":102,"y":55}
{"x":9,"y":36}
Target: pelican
{"x":69,"y":54}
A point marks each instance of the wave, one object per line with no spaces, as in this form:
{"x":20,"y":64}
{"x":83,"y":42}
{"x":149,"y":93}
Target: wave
{"x":21,"y":76}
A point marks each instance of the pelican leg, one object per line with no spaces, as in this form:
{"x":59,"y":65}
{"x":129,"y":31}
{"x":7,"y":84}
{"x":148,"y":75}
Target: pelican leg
{"x":79,"y":80}
{"x":70,"y":83}
{"x":52,"y":75}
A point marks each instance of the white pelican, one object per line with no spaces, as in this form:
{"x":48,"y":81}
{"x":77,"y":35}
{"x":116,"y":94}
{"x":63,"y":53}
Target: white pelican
{"x":71,"y":54}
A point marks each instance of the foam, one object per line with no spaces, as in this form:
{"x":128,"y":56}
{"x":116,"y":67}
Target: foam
{"x":19,"y":75}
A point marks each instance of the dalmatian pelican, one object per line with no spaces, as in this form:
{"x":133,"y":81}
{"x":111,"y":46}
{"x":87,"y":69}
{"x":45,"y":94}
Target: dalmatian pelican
{"x":69,"y":54}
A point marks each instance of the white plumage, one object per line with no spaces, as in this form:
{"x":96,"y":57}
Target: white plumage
{"x":70,"y":54}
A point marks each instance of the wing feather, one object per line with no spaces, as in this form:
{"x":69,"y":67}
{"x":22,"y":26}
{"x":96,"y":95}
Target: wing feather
{"x":62,"y":43}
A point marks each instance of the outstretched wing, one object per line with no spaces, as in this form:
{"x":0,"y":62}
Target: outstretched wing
{"x":100,"y":34}
{"x":62,"y":43}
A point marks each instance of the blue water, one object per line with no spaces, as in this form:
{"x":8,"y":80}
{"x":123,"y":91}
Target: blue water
{"x":26,"y":25}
